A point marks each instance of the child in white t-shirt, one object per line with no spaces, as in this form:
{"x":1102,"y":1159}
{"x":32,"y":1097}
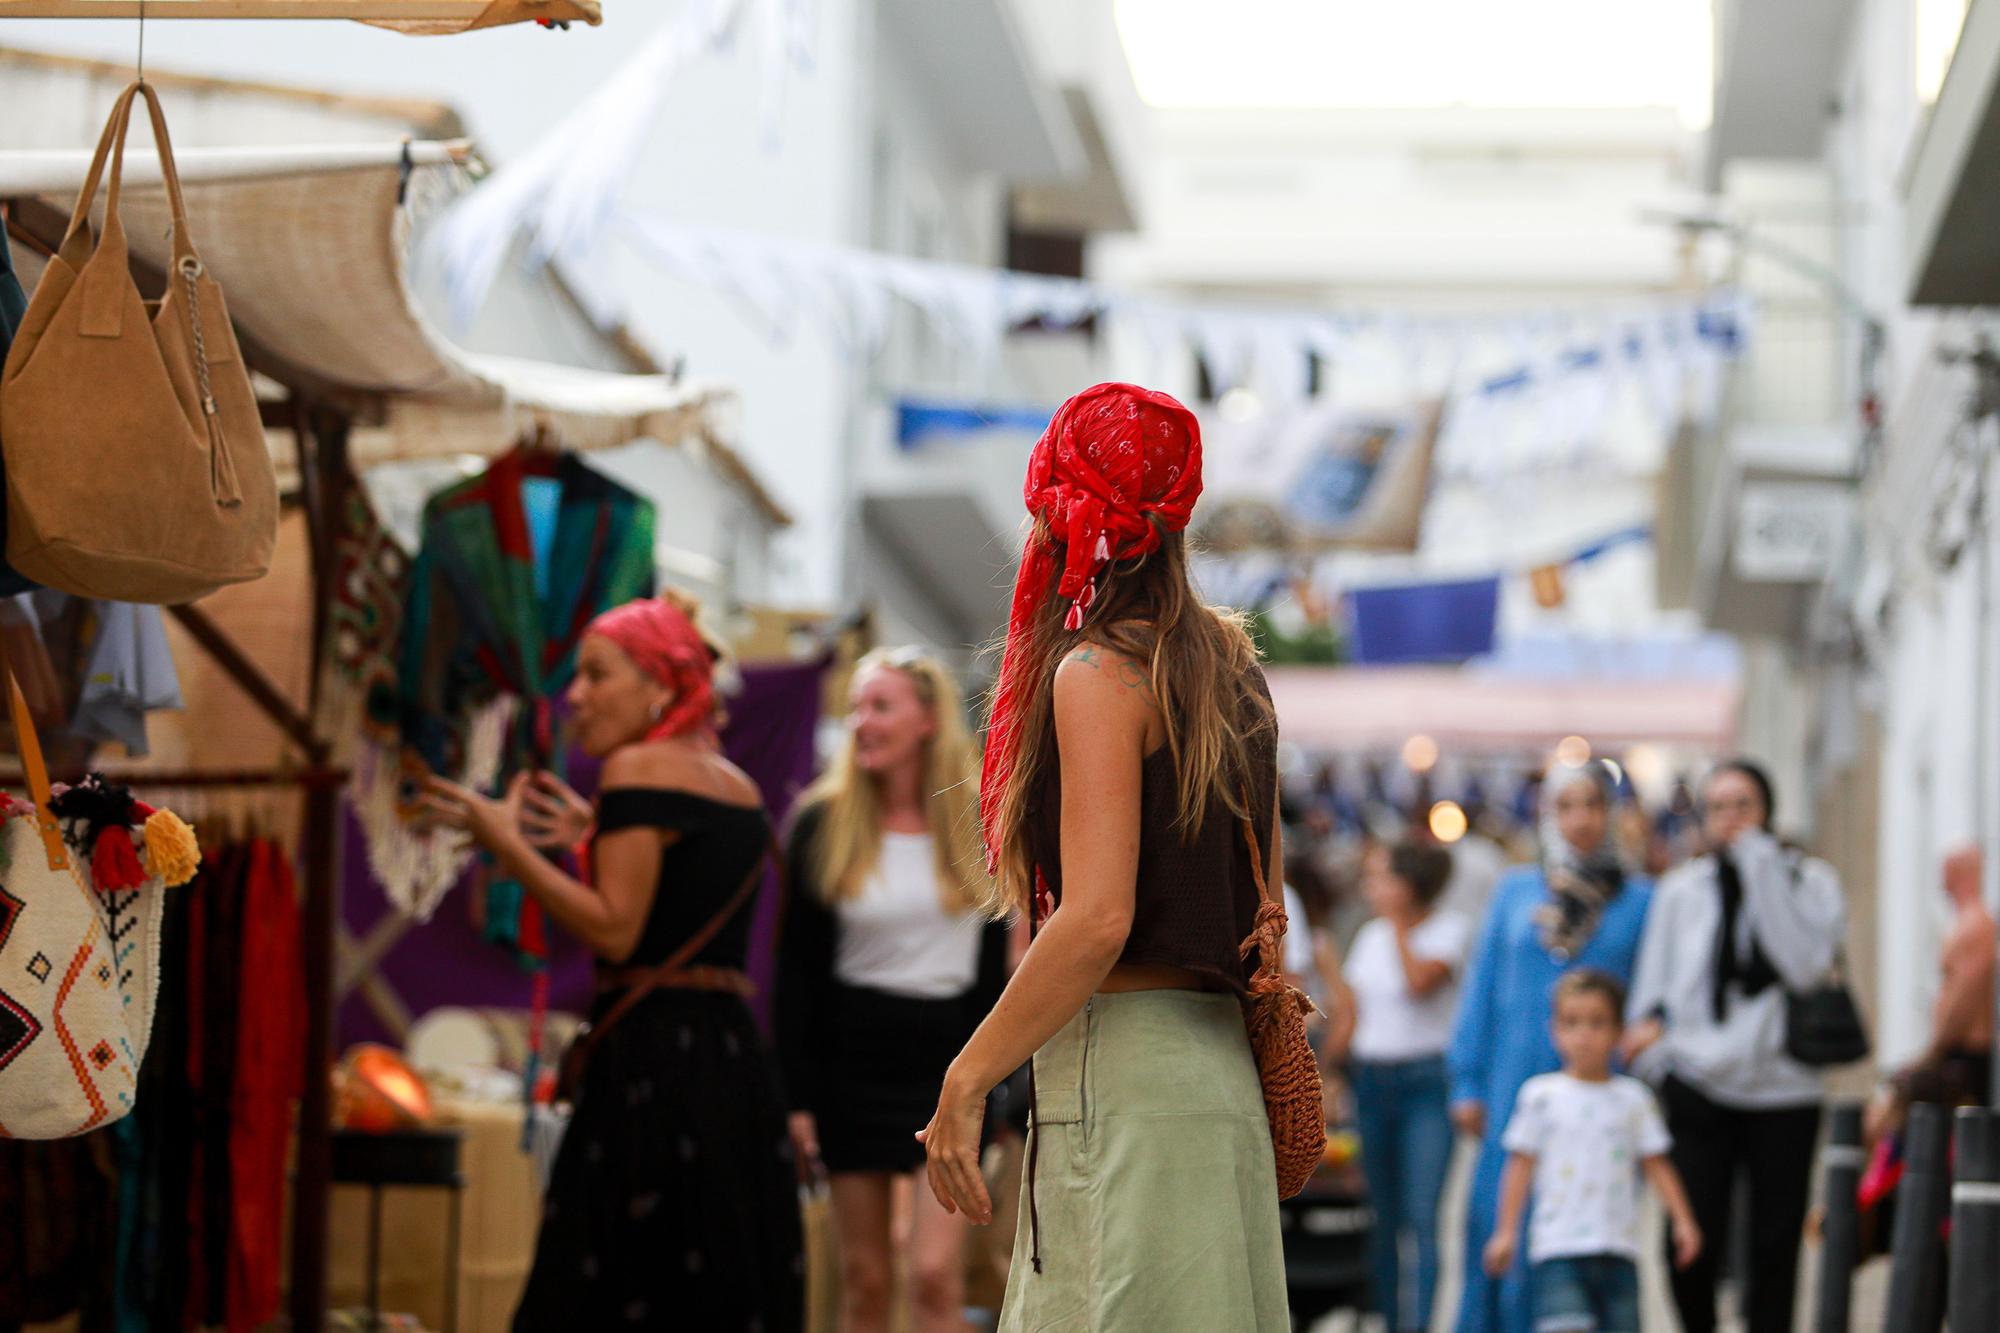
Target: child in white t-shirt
{"x":1582,"y":1138}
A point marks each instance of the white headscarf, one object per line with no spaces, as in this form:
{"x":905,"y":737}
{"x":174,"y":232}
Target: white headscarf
{"x":1581,"y":880}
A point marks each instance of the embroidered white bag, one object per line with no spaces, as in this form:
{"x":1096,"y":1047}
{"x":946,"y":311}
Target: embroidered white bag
{"x":79,"y":966}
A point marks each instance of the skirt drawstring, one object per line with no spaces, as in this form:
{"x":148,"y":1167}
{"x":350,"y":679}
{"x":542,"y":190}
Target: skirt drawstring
{"x":1035,"y":909}
{"x":1034,"y":1150}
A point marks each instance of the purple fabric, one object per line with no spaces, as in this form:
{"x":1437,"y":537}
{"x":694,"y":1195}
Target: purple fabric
{"x":446,"y":962}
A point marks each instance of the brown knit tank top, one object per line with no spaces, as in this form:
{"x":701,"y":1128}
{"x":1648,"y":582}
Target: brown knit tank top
{"x":1194,"y":900}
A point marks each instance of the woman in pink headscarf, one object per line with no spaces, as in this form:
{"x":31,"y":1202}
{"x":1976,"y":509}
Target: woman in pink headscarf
{"x":673,"y":1202}
{"x":1129,"y":795}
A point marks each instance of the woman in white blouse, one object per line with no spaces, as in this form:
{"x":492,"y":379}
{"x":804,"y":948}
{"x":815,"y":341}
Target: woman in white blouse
{"x":1729,"y":934}
{"x":1402,"y":971}
{"x":885,"y":968}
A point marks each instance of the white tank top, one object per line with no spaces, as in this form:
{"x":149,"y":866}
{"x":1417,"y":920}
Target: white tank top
{"x":896,"y":935}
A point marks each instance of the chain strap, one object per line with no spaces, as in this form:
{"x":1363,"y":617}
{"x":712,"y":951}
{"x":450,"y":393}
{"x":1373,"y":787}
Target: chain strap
{"x":191,"y":270}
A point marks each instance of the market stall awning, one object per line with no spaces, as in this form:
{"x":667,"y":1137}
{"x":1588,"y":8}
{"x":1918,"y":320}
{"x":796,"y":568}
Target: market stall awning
{"x":310,"y":244}
{"x":414,"y":16}
{"x":1362,"y":708}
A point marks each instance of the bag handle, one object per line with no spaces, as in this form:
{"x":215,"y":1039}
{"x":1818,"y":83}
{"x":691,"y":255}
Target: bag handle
{"x":1270,"y":924}
{"x":33,"y":765}
{"x":111,"y":146}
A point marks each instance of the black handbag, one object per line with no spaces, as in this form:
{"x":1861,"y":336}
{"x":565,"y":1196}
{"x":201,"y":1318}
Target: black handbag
{"x":1823,"y":1023}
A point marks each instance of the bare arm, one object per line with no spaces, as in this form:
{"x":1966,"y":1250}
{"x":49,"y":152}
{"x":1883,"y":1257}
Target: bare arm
{"x":1422,"y":975}
{"x":607,"y":916}
{"x":1341,"y":1012}
{"x":1101,"y":722}
{"x":1667,"y":1183}
{"x":1506,"y":1237}
{"x":1967,"y":993}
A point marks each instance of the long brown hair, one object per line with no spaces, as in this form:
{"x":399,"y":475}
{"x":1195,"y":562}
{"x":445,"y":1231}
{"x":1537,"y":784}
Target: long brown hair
{"x":1199,"y":661}
{"x":848,"y":841}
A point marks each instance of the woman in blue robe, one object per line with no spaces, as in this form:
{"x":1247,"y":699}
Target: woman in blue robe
{"x":1575,"y":909}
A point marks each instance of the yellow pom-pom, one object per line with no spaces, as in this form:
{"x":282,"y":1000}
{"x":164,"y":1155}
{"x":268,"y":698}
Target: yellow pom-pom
{"x":172,"y":853}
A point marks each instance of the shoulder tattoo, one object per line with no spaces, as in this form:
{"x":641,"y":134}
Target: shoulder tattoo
{"x":1124,"y":670}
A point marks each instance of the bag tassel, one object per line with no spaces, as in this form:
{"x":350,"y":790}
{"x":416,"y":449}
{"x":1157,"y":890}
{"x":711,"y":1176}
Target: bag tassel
{"x":172,"y":851}
{"x":114,"y":864}
{"x":221,"y":469}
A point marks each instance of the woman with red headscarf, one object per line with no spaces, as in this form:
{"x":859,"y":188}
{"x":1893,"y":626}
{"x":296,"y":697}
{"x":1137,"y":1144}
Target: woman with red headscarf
{"x":1130,"y":789}
{"x":673,"y":1202}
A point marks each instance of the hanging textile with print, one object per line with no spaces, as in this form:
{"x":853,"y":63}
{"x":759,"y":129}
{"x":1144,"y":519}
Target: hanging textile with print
{"x":514,"y":565}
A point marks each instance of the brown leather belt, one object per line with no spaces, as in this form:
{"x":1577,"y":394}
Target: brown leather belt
{"x":697,"y":976}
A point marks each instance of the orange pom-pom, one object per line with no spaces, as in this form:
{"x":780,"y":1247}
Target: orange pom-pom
{"x":172,"y":852}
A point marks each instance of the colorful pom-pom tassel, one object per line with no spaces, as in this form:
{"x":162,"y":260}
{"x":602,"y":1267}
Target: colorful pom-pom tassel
{"x":172,"y":852}
{"x":115,"y":862}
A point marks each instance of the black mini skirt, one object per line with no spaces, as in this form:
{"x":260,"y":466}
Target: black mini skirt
{"x":880,"y":1073}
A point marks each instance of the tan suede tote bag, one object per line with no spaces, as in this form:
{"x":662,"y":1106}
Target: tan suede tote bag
{"x":135,"y":458}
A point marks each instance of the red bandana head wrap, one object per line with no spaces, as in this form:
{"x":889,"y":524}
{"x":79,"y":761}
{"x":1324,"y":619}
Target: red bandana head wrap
{"x":1114,"y":458}
{"x":659,"y":637}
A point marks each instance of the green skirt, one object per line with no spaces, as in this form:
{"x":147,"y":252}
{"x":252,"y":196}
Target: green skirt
{"x":1151,"y":1172}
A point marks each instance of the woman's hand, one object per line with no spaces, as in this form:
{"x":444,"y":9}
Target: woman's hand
{"x":1499,"y":1256}
{"x":804,"y":1128}
{"x":553,"y":816}
{"x":1470,"y":1117}
{"x":1639,"y":1037}
{"x":490,"y":822}
{"x":951,"y":1151}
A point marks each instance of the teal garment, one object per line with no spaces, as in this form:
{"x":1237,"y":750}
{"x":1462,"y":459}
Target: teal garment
{"x":1502,"y":1040}
{"x":1152,"y":1175}
{"x":515,"y":564}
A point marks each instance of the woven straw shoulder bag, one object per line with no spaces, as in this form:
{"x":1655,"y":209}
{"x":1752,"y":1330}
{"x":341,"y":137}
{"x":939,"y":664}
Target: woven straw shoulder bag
{"x":1275,"y":1014}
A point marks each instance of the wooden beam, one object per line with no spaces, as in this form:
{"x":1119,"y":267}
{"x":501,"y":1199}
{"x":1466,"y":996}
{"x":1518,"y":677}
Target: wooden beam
{"x":253,"y":681}
{"x":433,"y":10}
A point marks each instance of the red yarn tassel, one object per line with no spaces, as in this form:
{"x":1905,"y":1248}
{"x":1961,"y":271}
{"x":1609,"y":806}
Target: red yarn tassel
{"x":115,"y":862}
{"x":1074,"y":620}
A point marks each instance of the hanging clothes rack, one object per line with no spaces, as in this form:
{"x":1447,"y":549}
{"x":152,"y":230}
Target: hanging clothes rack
{"x":332,"y":382}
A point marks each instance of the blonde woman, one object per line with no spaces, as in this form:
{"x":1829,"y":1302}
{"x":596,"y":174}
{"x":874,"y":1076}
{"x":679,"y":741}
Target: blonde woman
{"x":887,"y":966}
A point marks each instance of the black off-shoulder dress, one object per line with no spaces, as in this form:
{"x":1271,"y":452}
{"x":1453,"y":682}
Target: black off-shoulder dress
{"x":673,"y":1203}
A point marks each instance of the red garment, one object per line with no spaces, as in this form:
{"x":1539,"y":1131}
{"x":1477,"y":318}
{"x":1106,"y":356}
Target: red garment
{"x":655,"y":633}
{"x":1115,"y":458}
{"x":270,"y":1076}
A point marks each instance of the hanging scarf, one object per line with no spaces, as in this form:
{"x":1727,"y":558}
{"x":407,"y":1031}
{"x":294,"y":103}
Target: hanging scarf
{"x":1582,"y":882}
{"x":664,"y":643}
{"x":1115,"y":458}
{"x":1750,"y":970}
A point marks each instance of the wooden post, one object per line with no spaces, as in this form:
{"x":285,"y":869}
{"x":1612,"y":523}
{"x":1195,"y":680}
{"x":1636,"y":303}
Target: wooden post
{"x":323,"y":449}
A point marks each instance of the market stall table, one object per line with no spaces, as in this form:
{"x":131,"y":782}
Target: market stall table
{"x":501,"y":1210}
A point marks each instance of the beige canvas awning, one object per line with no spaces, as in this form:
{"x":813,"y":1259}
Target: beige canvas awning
{"x":424,"y":17}
{"x":311,"y":244}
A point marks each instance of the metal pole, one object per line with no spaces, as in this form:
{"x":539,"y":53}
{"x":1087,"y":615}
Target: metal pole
{"x":1840,"y":1244}
{"x":1916,"y":1261}
{"x":1975,"y":1221}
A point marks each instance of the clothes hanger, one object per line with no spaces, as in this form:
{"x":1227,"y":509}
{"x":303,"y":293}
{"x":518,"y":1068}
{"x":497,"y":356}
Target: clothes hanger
{"x":539,"y":452}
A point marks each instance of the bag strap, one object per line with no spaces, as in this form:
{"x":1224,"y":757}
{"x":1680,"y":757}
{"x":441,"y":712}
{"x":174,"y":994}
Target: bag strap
{"x":111,"y":146}
{"x":1265,"y":935}
{"x":33,"y":765}
{"x":680,"y":957}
